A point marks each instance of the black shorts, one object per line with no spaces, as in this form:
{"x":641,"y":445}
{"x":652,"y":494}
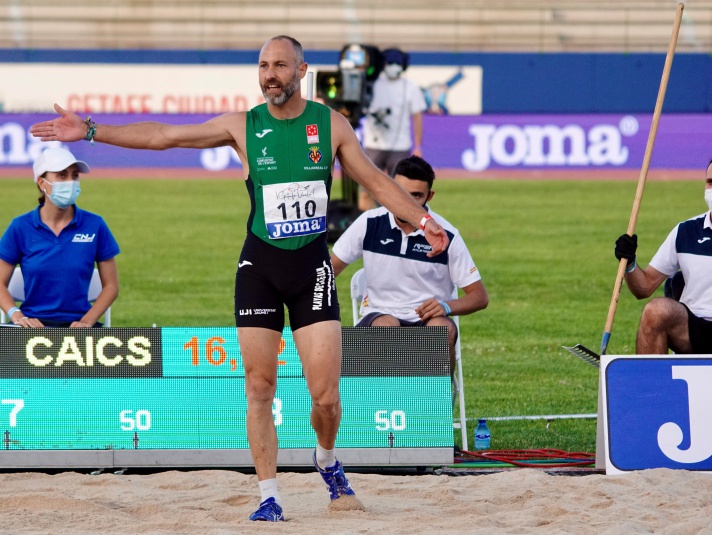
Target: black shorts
{"x":700,"y":334}
{"x":369,"y":318}
{"x":268,"y":278}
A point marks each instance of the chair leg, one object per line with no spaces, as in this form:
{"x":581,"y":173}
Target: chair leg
{"x":461,"y":394}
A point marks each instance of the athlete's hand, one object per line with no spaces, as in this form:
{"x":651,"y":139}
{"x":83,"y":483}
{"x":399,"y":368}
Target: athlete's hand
{"x":436,"y":236}
{"x":430,"y":309}
{"x":68,"y":127}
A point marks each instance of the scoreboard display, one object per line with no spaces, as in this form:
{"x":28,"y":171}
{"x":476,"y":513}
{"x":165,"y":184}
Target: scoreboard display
{"x":120,"y":397}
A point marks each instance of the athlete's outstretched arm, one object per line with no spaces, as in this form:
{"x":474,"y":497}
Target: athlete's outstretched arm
{"x":385,"y":190}
{"x":143,"y":135}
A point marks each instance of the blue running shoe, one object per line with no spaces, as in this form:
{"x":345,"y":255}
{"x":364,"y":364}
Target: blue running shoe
{"x":269,"y":511}
{"x":335,"y":480}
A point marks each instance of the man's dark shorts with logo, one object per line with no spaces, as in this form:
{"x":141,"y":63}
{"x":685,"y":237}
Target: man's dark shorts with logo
{"x":269,"y":278}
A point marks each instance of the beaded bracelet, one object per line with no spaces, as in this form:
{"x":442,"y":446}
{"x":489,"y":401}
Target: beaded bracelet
{"x":91,"y":130}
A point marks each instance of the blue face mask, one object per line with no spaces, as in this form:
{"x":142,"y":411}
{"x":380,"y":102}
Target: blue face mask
{"x":64,"y":194}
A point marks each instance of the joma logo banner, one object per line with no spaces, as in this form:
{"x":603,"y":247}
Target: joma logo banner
{"x":658,"y":412}
{"x":537,"y":145}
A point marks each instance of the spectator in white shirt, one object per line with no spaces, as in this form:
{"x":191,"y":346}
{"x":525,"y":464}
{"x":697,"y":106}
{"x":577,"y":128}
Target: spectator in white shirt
{"x":404,"y":287}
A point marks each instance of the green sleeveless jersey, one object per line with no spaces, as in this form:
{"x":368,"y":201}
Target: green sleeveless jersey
{"x":290,"y":175}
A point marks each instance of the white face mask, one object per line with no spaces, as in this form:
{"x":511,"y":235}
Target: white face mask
{"x":393,"y":70}
{"x":708,"y":198}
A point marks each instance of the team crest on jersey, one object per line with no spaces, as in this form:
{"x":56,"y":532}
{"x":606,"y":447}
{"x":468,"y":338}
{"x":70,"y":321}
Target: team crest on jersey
{"x":312,"y":133}
{"x":315,"y":154}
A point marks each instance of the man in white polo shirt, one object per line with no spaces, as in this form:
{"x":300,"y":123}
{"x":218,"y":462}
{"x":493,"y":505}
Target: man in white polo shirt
{"x":685,"y":326}
{"x":404,"y":287}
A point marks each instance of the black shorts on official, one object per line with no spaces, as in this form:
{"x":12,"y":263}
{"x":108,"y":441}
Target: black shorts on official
{"x":269,"y":277}
{"x":700,"y":334}
{"x":369,"y":318}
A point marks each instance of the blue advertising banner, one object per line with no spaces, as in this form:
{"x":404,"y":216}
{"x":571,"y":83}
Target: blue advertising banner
{"x":472,"y":143}
{"x":657,"y":412}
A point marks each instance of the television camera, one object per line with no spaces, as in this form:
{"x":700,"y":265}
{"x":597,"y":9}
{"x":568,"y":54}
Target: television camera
{"x":348,"y":90}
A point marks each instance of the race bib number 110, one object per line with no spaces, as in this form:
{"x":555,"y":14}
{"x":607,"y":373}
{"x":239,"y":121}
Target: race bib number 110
{"x":295,"y":209}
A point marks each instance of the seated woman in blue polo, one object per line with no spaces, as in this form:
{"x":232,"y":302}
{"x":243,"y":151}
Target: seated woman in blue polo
{"x":57,"y":246}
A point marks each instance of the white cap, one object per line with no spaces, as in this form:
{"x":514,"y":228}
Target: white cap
{"x":55,"y":160}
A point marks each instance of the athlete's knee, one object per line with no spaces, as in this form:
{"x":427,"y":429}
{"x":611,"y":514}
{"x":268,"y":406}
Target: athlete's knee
{"x":445,"y":322}
{"x":327,"y":402}
{"x":657,"y":313}
{"x":259,"y":389}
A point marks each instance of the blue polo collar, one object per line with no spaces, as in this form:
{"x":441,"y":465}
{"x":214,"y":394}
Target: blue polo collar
{"x":76,"y":220}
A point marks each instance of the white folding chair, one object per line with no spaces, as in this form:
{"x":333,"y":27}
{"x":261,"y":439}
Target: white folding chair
{"x":458,"y":383}
{"x":16,"y":286}
{"x":358,"y":287}
{"x":95,"y":288}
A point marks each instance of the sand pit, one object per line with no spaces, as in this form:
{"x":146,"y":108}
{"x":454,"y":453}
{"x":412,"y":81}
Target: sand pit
{"x":514,"y":501}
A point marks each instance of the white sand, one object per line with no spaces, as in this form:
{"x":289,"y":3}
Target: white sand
{"x":219,"y":501}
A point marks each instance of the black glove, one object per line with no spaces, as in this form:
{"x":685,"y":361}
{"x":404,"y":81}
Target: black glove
{"x":626,"y":246}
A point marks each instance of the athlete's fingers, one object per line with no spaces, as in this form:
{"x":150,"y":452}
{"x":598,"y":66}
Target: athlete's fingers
{"x":437,"y":238}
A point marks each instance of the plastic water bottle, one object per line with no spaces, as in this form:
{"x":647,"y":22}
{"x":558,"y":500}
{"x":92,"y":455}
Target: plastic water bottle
{"x":482,"y":435}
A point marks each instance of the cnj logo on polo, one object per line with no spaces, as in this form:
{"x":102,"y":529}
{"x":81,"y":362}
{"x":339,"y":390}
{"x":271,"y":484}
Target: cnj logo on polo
{"x":63,"y":353}
{"x":658,"y":412}
{"x":83,"y":238}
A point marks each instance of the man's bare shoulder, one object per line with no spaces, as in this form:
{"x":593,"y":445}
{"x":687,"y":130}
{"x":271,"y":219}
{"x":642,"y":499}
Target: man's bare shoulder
{"x":341,"y":129}
{"x":338,"y":120}
{"x":231,"y":127}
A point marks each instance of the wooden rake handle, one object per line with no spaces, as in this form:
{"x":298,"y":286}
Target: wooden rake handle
{"x":643,"y":173}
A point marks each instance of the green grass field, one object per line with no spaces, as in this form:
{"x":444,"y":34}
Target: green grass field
{"x":544,"y":248}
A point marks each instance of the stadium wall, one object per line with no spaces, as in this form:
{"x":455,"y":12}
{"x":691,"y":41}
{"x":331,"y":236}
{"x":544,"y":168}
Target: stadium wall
{"x":511,"y":82}
{"x":507,"y":114}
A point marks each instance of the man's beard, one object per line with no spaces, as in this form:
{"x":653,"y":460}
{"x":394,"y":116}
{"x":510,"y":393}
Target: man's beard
{"x":287,"y":91}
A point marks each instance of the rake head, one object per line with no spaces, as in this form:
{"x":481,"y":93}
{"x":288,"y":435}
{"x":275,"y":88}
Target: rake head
{"x":585,"y":354}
